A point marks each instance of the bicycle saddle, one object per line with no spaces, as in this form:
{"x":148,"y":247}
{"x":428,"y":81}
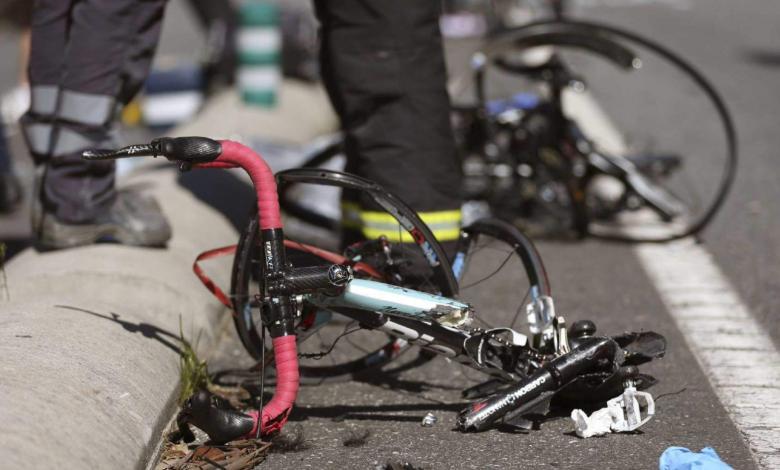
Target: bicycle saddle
{"x":214,"y":416}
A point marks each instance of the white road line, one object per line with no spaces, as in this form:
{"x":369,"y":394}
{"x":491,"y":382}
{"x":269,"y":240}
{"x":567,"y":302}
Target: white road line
{"x":732,"y":348}
{"x":682,"y":5}
{"x":734,"y":351}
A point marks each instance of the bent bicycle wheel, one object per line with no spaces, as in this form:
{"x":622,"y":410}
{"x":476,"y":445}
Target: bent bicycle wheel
{"x":333,"y":346}
{"x":502,"y":276}
{"x":643,"y":109}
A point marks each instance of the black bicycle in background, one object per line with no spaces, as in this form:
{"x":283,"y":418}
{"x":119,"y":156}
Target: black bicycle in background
{"x":538,"y":149}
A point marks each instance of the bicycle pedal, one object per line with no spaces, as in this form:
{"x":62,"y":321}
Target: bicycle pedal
{"x":627,"y":412}
{"x":622,"y":414}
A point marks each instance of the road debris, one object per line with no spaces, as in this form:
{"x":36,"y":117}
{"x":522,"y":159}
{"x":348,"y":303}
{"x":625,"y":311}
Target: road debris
{"x":428,"y":420}
{"x":622,"y":414}
{"x":398,"y":466}
{"x":356,"y":438}
{"x":290,"y":439}
{"x":236,"y":455}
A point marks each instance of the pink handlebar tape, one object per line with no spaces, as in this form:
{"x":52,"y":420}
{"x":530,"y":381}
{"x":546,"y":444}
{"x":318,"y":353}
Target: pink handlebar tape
{"x":239,"y":155}
{"x":274,"y":414}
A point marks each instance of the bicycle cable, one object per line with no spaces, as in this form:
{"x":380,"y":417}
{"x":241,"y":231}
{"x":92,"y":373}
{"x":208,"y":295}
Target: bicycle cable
{"x":319,"y":355}
{"x":262,"y":379}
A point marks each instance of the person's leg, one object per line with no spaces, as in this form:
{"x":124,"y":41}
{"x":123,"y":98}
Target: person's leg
{"x":383,"y":67}
{"x":49,"y":36}
{"x":10,"y":190}
{"x":78,"y":71}
{"x":100,"y":37}
{"x":219,"y":21}
{"x":147,"y":27}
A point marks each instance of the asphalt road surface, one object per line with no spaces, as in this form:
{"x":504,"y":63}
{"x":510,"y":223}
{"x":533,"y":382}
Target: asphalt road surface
{"x":602,"y":281}
{"x":736,"y":45}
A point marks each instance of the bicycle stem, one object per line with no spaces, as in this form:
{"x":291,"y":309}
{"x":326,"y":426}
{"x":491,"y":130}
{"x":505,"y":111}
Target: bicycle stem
{"x":280,"y":317}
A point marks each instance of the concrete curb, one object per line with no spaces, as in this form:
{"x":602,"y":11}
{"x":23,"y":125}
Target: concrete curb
{"x":88,"y":360}
{"x":89,"y":369}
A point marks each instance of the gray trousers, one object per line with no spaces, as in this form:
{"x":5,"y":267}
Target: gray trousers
{"x":88,"y":59}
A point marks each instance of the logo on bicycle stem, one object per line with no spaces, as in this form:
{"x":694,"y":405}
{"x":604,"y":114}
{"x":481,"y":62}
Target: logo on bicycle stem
{"x":269,"y":256}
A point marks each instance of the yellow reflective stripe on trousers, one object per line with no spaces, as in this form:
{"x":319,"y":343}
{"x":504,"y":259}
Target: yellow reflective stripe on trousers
{"x":445,"y":225}
{"x":350,"y":216}
{"x":406,"y":237}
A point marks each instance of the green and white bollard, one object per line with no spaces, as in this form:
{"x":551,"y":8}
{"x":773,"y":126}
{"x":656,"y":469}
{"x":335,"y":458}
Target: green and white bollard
{"x":259,"y":52}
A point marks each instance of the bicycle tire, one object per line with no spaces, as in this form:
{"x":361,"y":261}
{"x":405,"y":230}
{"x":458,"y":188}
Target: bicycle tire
{"x":534,"y":33}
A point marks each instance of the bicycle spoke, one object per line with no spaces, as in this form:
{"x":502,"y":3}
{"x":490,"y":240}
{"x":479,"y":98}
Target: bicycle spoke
{"x":506,"y":260}
{"x":520,"y":309}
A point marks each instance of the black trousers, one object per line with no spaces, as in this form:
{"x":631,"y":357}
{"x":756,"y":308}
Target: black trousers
{"x":88,"y":58}
{"x":383,"y":67}
{"x":219,"y":21}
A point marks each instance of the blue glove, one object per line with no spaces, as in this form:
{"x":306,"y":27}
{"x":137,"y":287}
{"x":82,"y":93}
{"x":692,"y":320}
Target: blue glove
{"x":680,"y":458}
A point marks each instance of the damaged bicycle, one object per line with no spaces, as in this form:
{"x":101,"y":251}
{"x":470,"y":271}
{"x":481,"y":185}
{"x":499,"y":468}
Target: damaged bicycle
{"x":401,"y":291}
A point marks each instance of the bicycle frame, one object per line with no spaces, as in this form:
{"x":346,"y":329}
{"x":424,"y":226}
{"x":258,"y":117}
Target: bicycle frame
{"x":431,"y":322}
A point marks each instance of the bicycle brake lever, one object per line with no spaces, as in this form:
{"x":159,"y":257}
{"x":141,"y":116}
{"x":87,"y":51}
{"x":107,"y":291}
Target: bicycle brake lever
{"x":144,"y":150}
{"x":188,"y":150}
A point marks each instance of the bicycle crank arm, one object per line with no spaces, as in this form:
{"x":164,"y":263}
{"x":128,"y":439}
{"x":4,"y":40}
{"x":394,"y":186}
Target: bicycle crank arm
{"x":533,"y":393}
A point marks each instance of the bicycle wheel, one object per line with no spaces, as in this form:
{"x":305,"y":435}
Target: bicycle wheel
{"x":421,"y":265}
{"x":324,"y":158}
{"x":502,"y":276}
{"x":651,"y":178}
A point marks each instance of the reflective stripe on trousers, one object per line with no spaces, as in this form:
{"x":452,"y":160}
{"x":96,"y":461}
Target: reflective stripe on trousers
{"x":445,"y":225}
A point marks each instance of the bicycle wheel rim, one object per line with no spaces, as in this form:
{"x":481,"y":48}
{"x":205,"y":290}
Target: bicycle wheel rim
{"x":247,"y":317}
{"x":500,"y":273}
